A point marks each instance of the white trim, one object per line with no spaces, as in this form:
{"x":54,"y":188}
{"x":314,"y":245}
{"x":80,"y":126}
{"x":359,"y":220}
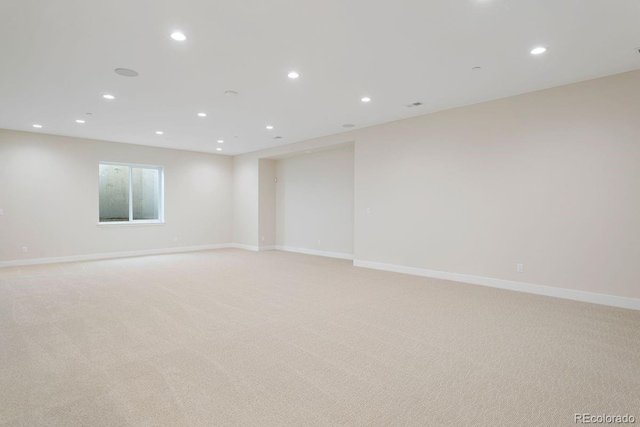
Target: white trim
{"x":267,"y":248}
{"x":108,"y":255}
{"x":245,"y":247}
{"x":130,"y":223}
{"x":550,"y":291}
{"x":314,"y":252}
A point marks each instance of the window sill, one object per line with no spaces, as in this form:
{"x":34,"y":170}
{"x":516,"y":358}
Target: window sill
{"x":129,"y":223}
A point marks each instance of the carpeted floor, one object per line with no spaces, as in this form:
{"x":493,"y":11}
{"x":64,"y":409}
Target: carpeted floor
{"x":237,"y":338}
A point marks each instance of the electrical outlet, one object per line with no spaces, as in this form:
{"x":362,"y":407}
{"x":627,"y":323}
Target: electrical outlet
{"x":520,"y":268}
{"x":318,"y":242}
{"x":25,"y":249}
{"x":263,"y":238}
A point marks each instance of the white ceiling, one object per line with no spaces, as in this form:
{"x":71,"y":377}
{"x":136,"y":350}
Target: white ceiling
{"x":57,"y":59}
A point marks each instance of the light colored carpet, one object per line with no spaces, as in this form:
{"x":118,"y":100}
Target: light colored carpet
{"x":237,"y":338}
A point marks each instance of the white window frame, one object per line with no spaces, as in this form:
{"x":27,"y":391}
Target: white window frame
{"x":159,"y":221}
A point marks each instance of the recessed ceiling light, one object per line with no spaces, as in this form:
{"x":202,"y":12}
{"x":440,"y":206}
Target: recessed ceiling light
{"x":178,"y":36}
{"x":366,"y":99}
{"x":269,"y":127}
{"x":159,"y":132}
{"x":538,"y":50}
{"x":477,"y":68}
{"x":80,"y":121}
{"x":220,"y":141}
{"x":126,"y":72}
{"x":218,"y":149}
{"x":37,"y":126}
{"x":202,"y":114}
{"x":293,"y":75}
{"x":107,"y":96}
{"x":231,"y":93}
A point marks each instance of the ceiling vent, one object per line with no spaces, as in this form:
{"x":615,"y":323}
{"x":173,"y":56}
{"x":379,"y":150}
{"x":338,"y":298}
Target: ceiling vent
{"x":415,"y":104}
{"x":126,"y":72}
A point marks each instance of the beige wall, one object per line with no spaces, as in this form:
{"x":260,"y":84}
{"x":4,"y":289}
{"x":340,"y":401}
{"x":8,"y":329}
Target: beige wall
{"x":550,"y":179}
{"x":245,"y":200}
{"x":267,"y":203}
{"x":315,"y":201}
{"x":49,"y":194}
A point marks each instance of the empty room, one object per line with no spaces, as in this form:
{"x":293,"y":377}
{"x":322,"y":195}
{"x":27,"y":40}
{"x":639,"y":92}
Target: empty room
{"x":319,"y":213}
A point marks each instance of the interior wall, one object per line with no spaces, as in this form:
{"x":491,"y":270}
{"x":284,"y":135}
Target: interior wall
{"x":49,"y":197}
{"x":549,"y":179}
{"x":314,"y":201}
{"x":245,"y":200}
{"x":267,"y":203}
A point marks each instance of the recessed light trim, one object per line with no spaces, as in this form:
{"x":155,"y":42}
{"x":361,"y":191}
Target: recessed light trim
{"x":80,"y":121}
{"x":231,"y":93}
{"x":538,"y":50}
{"x":202,"y":114}
{"x":159,"y":132}
{"x":37,"y":126}
{"x":126,"y":72}
{"x":218,"y":149}
{"x":178,"y":36}
{"x":269,"y":127}
{"x":220,"y":141}
{"x":293,"y":75}
{"x":365,"y":99}
{"x":108,"y":96}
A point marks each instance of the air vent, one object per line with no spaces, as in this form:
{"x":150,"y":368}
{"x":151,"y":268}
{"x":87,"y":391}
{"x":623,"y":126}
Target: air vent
{"x":126,"y":72}
{"x":415,"y":104}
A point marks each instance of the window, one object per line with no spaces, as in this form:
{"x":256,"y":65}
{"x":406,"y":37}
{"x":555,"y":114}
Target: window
{"x":131,"y":193}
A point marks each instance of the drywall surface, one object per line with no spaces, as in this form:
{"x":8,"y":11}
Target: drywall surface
{"x":49,"y":197}
{"x":315,"y":201}
{"x":267,"y":203}
{"x":245,"y":200}
{"x":549,"y":179}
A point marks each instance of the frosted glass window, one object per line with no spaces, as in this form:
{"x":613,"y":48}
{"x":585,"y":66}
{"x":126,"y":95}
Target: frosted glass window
{"x":131,"y":193}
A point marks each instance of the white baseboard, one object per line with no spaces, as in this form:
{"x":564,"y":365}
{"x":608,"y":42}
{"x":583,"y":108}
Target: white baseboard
{"x":267,"y":248}
{"x":245,"y":247}
{"x":314,"y":252}
{"x":603,"y":299}
{"x":108,"y":255}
